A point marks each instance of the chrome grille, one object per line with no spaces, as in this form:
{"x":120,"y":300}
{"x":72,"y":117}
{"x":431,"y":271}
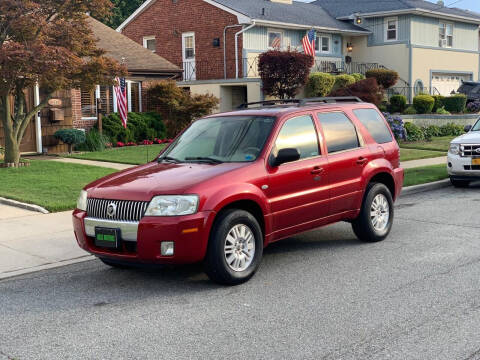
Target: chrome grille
{"x":126,"y":210}
{"x":470,"y":150}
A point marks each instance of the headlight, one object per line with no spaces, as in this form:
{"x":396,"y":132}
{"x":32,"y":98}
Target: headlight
{"x":454,"y":149}
{"x":82,"y":201}
{"x":172,"y":205}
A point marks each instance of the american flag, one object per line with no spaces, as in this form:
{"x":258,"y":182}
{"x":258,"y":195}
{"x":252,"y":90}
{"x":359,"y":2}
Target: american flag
{"x":309,"y":43}
{"x":122,"y":101}
{"x":277,"y":42}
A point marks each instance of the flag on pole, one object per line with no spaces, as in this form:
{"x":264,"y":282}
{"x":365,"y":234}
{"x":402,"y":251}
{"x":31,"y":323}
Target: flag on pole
{"x":309,"y":43}
{"x":122,"y":101}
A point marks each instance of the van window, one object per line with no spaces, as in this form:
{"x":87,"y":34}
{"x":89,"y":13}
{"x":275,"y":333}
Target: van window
{"x":340,"y":134}
{"x":375,"y":125}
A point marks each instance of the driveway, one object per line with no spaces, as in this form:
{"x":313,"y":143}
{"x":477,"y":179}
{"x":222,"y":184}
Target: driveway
{"x":320,"y":295}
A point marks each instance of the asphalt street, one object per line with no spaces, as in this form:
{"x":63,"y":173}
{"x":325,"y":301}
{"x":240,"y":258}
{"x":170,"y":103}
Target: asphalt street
{"x":320,"y":295}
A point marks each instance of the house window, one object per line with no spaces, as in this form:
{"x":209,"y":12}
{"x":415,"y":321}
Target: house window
{"x":275,"y":39}
{"x":150,"y":43}
{"x":446,"y":35}
{"x":88,"y":101}
{"x":189,"y":47}
{"x":106,"y":96}
{"x":323,"y":44}
{"x":391,"y":29}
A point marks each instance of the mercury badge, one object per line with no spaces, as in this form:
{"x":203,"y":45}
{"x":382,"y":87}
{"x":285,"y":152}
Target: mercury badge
{"x":112,"y":210}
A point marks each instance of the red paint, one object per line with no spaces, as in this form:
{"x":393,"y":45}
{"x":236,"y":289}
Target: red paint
{"x":301,"y":195}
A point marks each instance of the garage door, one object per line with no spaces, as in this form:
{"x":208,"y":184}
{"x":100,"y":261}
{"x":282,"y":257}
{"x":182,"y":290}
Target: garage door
{"x":445,"y":83}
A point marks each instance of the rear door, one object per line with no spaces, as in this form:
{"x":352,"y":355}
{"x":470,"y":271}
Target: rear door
{"x":347,"y":157}
{"x":298,"y":191}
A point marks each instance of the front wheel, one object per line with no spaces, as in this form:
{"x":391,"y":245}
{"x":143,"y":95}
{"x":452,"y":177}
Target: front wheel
{"x":235,"y":248}
{"x":459,"y":183}
{"x":376,"y":215}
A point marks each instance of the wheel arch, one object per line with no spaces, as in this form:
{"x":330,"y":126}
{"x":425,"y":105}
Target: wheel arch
{"x":386,"y":178}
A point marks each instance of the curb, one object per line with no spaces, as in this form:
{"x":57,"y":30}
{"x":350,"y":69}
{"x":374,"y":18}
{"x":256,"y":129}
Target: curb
{"x":21,"y":205}
{"x":410,"y":190}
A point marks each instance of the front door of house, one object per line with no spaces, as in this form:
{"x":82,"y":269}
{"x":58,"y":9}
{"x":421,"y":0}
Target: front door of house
{"x":188,"y":53}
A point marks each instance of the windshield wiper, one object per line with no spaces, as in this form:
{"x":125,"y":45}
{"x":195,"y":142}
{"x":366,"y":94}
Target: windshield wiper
{"x":204,"y":159}
{"x":169,"y":159}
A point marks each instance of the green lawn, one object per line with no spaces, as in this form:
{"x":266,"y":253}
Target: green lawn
{"x":415,"y":154}
{"x":134,"y":155}
{"x":52,"y":185}
{"x":426,"y":174}
{"x":437,"y":144}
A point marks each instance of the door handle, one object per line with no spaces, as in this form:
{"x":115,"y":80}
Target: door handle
{"x":317,"y":170}
{"x":362,"y":161}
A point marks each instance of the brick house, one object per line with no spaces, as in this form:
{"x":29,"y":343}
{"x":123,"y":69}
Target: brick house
{"x":78,"y":108}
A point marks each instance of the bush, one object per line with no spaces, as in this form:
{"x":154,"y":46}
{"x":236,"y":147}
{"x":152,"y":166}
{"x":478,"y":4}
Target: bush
{"x":70,"y":137}
{"x":432,"y":131}
{"x":385,"y":78}
{"x":367,"y":90}
{"x":451,"y":129}
{"x":398,"y":103}
{"x":140,"y":126}
{"x":397,"y":125}
{"x":423,"y":104}
{"x":410,"y":111}
{"x":473,"y":107}
{"x":442,"y":111}
{"x":383,"y":107}
{"x":414,"y":133}
{"x":319,"y":84}
{"x":343,"y":81}
{"x":284,"y":73}
{"x":94,"y":141}
{"x":438,"y":102}
{"x":455,"y":103}
{"x":358,"y":76}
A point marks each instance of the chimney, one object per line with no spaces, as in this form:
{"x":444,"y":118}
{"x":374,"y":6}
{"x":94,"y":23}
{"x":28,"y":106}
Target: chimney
{"x":289,"y":2}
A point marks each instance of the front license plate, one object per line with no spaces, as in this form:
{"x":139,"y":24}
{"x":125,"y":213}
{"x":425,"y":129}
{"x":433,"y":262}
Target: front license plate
{"x":105,"y":237}
{"x":476,"y":161}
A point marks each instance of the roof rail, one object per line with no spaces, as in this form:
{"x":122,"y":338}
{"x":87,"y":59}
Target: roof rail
{"x":269,"y":103}
{"x":329,"y":100}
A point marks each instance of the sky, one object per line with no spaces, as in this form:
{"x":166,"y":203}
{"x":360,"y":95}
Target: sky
{"x":473,"y":5}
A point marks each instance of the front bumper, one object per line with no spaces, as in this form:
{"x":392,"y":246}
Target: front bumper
{"x":189,"y":233}
{"x":459,"y":167}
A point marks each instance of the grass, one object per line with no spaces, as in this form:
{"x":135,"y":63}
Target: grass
{"x":415,"y":154}
{"x":52,"y":185}
{"x":134,"y":155}
{"x":425,"y":174}
{"x":437,"y":144}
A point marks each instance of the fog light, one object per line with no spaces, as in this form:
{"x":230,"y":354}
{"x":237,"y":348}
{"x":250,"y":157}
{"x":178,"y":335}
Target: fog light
{"x":168,"y":248}
{"x":450,"y":165}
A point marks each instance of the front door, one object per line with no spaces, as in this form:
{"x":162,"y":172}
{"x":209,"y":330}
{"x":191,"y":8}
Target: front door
{"x":298,"y":191}
{"x":188,"y":51}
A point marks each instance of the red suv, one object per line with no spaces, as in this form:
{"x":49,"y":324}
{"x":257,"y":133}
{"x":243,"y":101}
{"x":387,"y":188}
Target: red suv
{"x":230,"y":184}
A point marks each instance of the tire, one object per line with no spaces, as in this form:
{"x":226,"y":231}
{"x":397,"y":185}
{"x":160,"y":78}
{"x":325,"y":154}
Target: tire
{"x":459,"y":183}
{"x":233,"y":236}
{"x":364,"y":226}
{"x":114,"y":264}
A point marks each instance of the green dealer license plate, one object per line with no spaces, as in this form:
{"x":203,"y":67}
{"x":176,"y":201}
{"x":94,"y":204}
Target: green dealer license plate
{"x":105,"y":237}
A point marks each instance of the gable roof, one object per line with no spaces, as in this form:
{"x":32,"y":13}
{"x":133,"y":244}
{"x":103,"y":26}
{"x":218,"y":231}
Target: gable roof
{"x":296,"y":15}
{"x":346,"y":8}
{"x":137,"y":58}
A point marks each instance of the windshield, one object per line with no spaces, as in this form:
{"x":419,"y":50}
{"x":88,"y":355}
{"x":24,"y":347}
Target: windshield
{"x":222,"y":139}
{"x":476,"y":127}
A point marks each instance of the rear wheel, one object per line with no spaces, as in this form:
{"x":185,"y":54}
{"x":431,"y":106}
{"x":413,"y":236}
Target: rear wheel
{"x":235,"y":248}
{"x":376,"y":215}
{"x":459,"y":183}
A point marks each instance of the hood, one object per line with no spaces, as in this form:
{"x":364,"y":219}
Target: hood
{"x":472,"y":137}
{"x":143,"y":182}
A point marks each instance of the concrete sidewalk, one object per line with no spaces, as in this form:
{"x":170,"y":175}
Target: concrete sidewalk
{"x":30,"y":241}
{"x":424,"y":162}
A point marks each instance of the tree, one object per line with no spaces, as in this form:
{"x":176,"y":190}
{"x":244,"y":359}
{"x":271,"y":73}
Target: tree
{"x":284,"y":73}
{"x":49,"y":43}
{"x":121,"y":11}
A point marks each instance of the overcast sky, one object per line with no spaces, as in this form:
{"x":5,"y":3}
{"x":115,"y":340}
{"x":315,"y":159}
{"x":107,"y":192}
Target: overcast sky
{"x":463,"y":4}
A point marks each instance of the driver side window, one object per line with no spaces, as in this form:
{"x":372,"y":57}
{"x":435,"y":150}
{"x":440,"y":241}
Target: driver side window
{"x":298,"y":133}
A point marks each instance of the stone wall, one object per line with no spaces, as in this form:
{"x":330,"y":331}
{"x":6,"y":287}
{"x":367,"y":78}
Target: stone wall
{"x":434,"y":119}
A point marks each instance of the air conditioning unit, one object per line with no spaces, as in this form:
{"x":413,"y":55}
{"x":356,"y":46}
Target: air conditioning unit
{"x":443,"y":42}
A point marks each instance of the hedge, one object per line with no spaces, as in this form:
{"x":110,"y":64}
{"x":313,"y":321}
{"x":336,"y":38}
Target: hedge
{"x":423,"y":104}
{"x":416,"y":133}
{"x":455,"y":103}
{"x":140,"y":126}
{"x":358,"y":76}
{"x":385,"y":78}
{"x":439,"y":102}
{"x":398,"y":103}
{"x":319,"y":84}
{"x":343,"y":81}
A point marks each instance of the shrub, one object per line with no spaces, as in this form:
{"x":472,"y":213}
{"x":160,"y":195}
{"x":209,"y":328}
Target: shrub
{"x":140,"y":126}
{"x":432,"y":131}
{"x":397,"y":125}
{"x":451,"y":129}
{"x":383,"y":107}
{"x":455,"y":103}
{"x":442,"y":111}
{"x":410,"y":111}
{"x":423,"y":104}
{"x":70,"y":137}
{"x":343,"y":81}
{"x":385,"y":78}
{"x":367,"y":90}
{"x":284,"y":73}
{"x":414,"y":133}
{"x":398,"y":103}
{"x":438,"y":102}
{"x":473,"y":107}
{"x":358,"y":76}
{"x":319,"y":84}
{"x":94,"y":141}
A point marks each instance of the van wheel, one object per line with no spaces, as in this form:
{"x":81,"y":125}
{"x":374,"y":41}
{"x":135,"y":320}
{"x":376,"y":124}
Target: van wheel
{"x":376,"y":215}
{"x":235,"y":248}
{"x":459,"y":183}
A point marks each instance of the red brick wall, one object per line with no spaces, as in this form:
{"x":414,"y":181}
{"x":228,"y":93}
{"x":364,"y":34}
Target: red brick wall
{"x":167,"y":20}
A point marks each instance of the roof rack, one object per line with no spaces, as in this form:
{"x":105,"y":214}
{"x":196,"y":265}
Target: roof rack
{"x":269,"y":103}
{"x":329,"y":100}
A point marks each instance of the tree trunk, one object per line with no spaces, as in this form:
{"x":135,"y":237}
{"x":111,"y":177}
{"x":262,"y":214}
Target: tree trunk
{"x":12,"y":150}
{"x":12,"y":146}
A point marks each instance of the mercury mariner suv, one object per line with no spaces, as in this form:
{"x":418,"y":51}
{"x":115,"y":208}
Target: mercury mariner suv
{"x":464,"y":157}
{"x":232,"y":183}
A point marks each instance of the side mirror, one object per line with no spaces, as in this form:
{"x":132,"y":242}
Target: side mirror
{"x":285,"y":156}
{"x":467,"y":128}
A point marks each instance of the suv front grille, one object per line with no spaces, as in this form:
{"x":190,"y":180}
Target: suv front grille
{"x":470,"y":150}
{"x":125,"y":210}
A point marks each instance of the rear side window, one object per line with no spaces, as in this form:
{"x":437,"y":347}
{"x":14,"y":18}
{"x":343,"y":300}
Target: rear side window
{"x":298,"y":133}
{"x":340,"y":134}
{"x":375,"y":125}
